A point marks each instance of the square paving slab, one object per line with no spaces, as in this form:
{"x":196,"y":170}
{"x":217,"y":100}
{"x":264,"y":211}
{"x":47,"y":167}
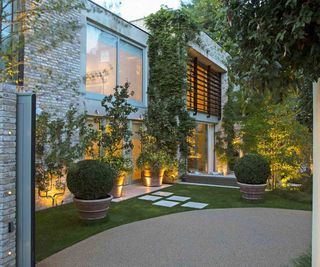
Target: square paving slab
{"x":165,"y":203}
{"x":178,"y":198}
{"x":162,"y":193}
{"x":195,"y":205}
{"x":149,"y":198}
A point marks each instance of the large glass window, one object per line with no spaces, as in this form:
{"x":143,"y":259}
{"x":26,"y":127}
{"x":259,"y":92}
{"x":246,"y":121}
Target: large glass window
{"x":109,"y":60}
{"x":101,"y":61}
{"x":131,"y":68}
{"x":198,"y":158}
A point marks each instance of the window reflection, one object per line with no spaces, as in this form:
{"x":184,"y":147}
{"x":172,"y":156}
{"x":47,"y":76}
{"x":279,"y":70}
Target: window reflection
{"x":101,"y":61}
{"x":102,"y":70}
{"x":131,"y":68}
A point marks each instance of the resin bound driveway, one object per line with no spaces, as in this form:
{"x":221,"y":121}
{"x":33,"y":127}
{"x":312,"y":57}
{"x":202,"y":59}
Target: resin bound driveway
{"x":253,"y":237}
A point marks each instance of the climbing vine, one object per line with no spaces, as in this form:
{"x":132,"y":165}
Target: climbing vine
{"x":167,"y":119}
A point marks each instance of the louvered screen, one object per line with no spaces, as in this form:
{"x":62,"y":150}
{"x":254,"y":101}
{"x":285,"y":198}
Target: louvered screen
{"x":204,"y":89}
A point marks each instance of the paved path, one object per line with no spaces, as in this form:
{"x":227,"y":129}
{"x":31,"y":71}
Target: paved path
{"x":253,"y":237}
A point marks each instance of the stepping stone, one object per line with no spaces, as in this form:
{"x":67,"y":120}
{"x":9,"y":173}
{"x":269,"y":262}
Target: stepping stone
{"x":149,"y":198}
{"x":165,"y":203}
{"x":178,"y":198}
{"x":162,"y":194}
{"x":195,"y":205}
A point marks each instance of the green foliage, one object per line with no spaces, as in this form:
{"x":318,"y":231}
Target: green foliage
{"x":59,"y":142}
{"x":252,"y":169}
{"x":304,"y":260}
{"x":90,"y":179}
{"x":152,"y":156}
{"x":167,"y":119}
{"x":226,"y":148}
{"x":211,"y":17}
{"x":278,"y":42}
{"x":171,"y":174}
{"x":115,"y":137}
{"x":271,"y":129}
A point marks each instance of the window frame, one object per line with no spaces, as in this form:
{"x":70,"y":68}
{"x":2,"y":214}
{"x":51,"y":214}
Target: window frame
{"x":99,"y":97}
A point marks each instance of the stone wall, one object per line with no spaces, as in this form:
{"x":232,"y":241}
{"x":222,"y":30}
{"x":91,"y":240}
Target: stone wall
{"x":7,"y":173}
{"x":54,"y":74}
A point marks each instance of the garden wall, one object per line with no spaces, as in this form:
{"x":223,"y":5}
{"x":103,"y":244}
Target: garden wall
{"x":7,"y":173}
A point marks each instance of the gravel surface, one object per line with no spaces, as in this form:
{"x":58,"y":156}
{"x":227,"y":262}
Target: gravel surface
{"x":244,"y":237}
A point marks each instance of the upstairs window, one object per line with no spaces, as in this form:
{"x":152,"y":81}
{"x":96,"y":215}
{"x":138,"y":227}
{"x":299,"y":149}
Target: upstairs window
{"x":204,"y":89}
{"x":112,"y":61}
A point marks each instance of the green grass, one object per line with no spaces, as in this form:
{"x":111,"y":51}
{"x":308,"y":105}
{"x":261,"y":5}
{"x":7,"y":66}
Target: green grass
{"x":60,"y":227}
{"x":304,"y":260}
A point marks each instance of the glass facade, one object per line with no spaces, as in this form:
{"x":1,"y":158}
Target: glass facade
{"x":198,"y":158}
{"x":111,"y":60}
{"x":101,"y":61}
{"x":131,"y":68}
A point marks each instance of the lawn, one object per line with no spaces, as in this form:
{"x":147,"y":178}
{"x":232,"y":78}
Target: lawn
{"x":59,"y":227}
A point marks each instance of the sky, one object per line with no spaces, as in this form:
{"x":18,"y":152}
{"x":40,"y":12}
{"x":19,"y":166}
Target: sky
{"x":136,"y":9}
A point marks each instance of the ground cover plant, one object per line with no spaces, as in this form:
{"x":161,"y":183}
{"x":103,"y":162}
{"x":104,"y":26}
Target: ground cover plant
{"x":60,"y":227}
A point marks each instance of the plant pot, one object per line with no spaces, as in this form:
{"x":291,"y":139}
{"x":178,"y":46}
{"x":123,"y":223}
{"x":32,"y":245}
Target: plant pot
{"x":151,"y":177}
{"x":92,"y":209}
{"x":117,"y":187}
{"x":252,"y":191}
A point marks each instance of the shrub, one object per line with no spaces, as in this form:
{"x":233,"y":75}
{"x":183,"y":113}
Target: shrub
{"x":252,"y":169}
{"x":90,"y":179}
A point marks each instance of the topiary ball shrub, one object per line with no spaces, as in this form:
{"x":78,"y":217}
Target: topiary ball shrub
{"x":90,"y":179}
{"x":252,"y":169}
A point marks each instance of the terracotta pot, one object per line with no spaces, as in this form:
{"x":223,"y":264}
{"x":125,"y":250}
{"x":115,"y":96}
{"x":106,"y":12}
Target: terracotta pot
{"x":117,"y":187}
{"x":92,"y":209}
{"x":152,"y":178}
{"x":252,"y":191}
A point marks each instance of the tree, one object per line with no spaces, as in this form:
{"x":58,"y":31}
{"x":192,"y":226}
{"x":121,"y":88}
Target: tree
{"x":271,"y":129}
{"x":279,"y":43}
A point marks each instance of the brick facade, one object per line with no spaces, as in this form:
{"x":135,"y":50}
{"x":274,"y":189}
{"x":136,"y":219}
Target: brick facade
{"x":7,"y":173}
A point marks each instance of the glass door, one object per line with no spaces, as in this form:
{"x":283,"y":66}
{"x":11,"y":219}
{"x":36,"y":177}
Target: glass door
{"x":198,"y":158}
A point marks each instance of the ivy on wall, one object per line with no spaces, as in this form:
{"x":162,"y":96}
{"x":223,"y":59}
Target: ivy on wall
{"x":167,"y":118}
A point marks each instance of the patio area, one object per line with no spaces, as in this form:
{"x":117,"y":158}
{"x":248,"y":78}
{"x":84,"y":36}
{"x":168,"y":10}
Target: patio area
{"x":135,"y":190}
{"x":218,"y":237}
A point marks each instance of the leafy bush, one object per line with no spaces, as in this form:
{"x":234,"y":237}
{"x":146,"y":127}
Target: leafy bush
{"x":90,"y":179}
{"x":151,"y":155}
{"x":252,"y":169}
{"x":171,"y":175}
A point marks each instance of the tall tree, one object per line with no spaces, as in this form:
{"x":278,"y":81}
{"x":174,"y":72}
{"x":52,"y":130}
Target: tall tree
{"x":279,"y":41}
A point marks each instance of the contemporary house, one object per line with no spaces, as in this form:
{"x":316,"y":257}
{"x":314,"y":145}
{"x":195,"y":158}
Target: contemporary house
{"x":108,"y":51}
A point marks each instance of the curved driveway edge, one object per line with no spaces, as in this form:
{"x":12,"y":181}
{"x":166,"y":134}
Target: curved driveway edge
{"x":248,"y":237}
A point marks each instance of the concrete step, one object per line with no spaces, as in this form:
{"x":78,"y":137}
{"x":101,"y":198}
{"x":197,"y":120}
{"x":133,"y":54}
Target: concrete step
{"x":210,"y":179}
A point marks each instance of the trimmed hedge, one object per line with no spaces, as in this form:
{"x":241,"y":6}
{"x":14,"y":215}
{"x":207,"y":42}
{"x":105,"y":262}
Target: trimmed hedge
{"x":252,"y":169}
{"x":90,"y":179}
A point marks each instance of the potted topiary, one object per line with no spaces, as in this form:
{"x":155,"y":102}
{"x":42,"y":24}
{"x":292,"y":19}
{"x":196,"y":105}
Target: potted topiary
{"x":152,"y":160}
{"x":90,"y":181}
{"x":252,"y":172}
